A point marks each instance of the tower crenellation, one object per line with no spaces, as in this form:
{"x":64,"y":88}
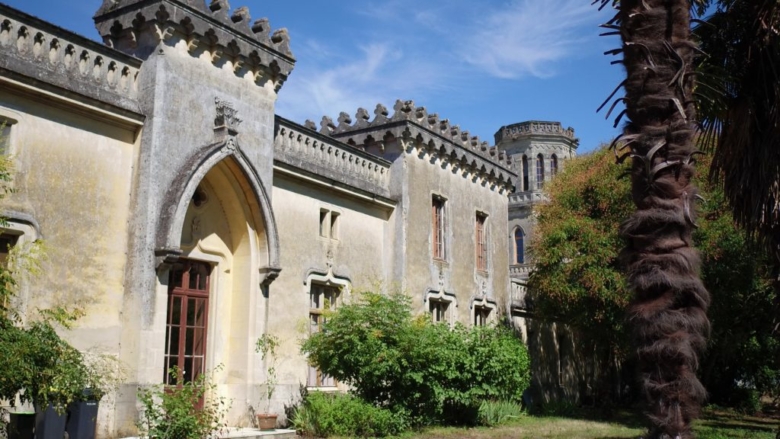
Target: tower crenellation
{"x":229,"y":40}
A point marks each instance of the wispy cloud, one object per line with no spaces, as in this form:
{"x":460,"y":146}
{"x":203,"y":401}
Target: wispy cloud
{"x":529,"y":37}
{"x":397,"y":49}
{"x":378,"y":75}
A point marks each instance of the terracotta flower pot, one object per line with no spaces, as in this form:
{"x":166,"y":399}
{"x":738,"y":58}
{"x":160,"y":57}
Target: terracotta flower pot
{"x":266,"y":421}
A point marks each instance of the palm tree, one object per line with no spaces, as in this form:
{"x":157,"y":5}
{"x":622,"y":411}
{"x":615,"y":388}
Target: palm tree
{"x":668,"y":313}
{"x":739,"y":98}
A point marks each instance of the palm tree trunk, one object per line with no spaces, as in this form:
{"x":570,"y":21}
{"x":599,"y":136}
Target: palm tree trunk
{"x":668,"y":313}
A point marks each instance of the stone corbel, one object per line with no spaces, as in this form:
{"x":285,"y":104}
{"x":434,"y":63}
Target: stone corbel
{"x":268,"y":274}
{"x":166,"y":256}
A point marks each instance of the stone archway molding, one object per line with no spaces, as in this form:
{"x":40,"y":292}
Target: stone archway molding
{"x":176,"y":201}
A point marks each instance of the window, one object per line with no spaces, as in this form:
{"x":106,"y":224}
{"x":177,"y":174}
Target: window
{"x":481,"y":315}
{"x":329,"y":221}
{"x":525,"y":173}
{"x":481,"y":237}
{"x":7,"y":241}
{"x":553,"y":165}
{"x":438,"y":309}
{"x":334,"y":224}
{"x":439,"y":230}
{"x":323,"y":298}
{"x":324,"y":223}
{"x":187,"y":321}
{"x":441,"y":305}
{"x":519,"y":246}
{"x":539,"y":171}
{"x":5,"y":134}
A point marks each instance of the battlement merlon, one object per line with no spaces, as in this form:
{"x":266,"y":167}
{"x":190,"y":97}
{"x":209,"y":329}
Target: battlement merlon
{"x":229,"y":41}
{"x":536,"y":128}
{"x":437,"y":135}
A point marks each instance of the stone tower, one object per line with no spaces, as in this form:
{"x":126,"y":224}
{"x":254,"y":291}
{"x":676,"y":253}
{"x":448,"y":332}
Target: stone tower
{"x":537,"y":151}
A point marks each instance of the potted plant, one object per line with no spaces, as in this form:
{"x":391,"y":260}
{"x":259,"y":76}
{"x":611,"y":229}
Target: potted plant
{"x":266,"y":346}
{"x":58,"y":379}
{"x":104,"y":374}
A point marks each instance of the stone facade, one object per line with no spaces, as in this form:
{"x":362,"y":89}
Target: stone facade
{"x":158,"y":154}
{"x":538,"y":150}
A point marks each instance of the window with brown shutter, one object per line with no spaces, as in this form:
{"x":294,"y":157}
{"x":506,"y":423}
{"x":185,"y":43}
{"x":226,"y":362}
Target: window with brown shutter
{"x":439,"y":231}
{"x":481,"y":238}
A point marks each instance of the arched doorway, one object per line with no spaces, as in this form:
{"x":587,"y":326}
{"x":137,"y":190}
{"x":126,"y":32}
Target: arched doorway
{"x":219,"y":248}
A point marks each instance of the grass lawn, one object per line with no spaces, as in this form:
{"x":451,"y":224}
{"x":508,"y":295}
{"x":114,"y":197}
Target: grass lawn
{"x":714,"y":425}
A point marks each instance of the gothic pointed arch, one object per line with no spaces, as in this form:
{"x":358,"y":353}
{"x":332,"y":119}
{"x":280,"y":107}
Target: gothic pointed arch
{"x":181,"y":191}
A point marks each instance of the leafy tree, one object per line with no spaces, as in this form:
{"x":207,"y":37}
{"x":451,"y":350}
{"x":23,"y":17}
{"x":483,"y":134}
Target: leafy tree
{"x":578,"y":279}
{"x":427,"y":372}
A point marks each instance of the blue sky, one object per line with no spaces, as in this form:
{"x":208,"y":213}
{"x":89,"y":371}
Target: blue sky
{"x":480,"y":64}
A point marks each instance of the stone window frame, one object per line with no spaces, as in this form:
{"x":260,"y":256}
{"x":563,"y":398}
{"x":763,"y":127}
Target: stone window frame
{"x":518,"y":250}
{"x":329,"y":223}
{"x":9,"y":120}
{"x":539,"y":171}
{"x":481,"y":234}
{"x":524,"y":173}
{"x":553,"y":165}
{"x":483,"y":311}
{"x":25,"y":230}
{"x":328,"y":280}
{"x":439,"y":229}
{"x":434,"y":300}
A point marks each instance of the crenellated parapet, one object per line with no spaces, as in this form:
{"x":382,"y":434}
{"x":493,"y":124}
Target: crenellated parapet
{"x":228,"y":39}
{"x":425,"y":131}
{"x":306,"y":149}
{"x":33,"y":48}
{"x":534,"y":128}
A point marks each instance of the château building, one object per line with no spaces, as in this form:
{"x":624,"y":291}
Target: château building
{"x":187,"y":219}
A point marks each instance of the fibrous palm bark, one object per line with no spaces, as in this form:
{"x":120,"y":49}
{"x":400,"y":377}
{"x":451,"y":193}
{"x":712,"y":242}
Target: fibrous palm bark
{"x":668,"y":313}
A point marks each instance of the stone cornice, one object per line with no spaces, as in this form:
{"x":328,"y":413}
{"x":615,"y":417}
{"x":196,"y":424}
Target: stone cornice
{"x":206,"y":32}
{"x":40,"y":50}
{"x":298,"y":146}
{"x":429,"y":133}
{"x":536,"y":129}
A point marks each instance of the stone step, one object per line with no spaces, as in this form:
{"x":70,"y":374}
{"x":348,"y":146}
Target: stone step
{"x":254,"y":433}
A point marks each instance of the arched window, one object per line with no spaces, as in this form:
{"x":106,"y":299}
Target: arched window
{"x":553,"y":165}
{"x":519,"y":246}
{"x":525,"y":174}
{"x":539,"y":171}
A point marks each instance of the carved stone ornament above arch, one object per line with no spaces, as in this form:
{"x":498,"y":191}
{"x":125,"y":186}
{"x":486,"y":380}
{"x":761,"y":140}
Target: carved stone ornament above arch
{"x":177,"y":199}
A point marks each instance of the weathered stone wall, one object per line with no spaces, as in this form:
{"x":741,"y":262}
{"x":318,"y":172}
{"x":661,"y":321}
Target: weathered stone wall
{"x":73,"y":175}
{"x":354,"y":257}
{"x":423,"y":176}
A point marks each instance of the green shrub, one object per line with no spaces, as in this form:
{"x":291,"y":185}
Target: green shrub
{"x":323,"y":415}
{"x":428,"y":373}
{"x":493,"y":413}
{"x":746,"y":400}
{"x":188,"y":411}
{"x":41,"y":365}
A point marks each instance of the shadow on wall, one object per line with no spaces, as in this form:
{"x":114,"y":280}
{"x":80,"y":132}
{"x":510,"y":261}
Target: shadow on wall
{"x":567,"y":369}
